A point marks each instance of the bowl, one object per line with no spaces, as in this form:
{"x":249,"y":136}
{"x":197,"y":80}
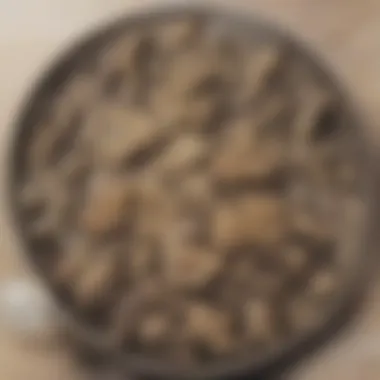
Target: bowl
{"x":358,"y":239}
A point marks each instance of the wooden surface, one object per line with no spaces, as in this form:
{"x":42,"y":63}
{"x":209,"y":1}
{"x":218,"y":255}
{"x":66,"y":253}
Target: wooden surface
{"x":345,"y":32}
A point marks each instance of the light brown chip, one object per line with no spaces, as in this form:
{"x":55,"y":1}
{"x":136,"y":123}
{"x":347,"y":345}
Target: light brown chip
{"x":109,"y":202}
{"x":259,"y":321}
{"x":210,"y":327}
{"x":254,"y":220}
{"x":95,"y":281}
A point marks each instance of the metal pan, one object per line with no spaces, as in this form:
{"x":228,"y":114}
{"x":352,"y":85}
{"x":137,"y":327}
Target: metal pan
{"x":358,"y":247}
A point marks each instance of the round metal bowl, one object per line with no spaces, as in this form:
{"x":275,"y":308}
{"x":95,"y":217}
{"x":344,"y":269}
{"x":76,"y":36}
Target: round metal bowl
{"x":357,"y":248}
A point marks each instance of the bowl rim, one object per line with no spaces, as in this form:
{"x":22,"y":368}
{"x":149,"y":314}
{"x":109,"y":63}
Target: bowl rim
{"x":58,"y":73}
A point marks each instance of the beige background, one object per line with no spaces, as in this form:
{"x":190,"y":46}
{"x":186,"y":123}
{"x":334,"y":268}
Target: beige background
{"x":346,"y":33}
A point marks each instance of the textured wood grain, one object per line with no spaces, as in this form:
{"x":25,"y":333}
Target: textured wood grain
{"x":346,"y":33}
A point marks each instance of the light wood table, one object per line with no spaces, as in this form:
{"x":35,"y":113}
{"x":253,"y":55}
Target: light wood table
{"x":345,"y":32}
